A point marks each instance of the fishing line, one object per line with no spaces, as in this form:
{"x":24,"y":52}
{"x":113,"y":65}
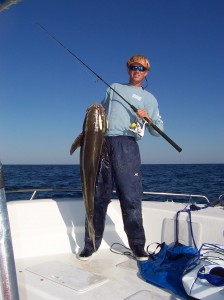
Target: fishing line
{"x":100,"y":78}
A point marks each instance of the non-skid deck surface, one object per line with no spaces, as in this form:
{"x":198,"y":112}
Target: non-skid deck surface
{"x":143,"y":294}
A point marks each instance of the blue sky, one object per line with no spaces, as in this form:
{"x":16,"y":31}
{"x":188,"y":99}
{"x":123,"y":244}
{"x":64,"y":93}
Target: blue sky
{"x":44,"y":92}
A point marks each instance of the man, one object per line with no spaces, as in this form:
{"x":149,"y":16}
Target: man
{"x":123,"y":167}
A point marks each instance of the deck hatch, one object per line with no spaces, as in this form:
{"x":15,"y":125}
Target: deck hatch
{"x":67,"y":275}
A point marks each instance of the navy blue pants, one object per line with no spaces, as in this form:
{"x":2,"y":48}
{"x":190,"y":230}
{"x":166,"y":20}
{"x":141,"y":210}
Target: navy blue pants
{"x":121,"y":169}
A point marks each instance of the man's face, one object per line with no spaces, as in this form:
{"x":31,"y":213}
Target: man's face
{"x":137,"y":73}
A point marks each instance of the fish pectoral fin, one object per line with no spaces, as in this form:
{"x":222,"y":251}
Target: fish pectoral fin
{"x":77,"y":143}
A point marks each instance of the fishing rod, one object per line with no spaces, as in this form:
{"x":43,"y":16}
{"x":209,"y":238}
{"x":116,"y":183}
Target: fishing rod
{"x":166,"y":137}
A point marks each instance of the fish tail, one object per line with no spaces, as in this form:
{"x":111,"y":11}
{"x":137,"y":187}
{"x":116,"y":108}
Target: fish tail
{"x":92,"y":234}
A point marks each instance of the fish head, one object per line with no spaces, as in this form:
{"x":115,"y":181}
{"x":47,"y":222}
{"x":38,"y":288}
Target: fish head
{"x":96,"y":118}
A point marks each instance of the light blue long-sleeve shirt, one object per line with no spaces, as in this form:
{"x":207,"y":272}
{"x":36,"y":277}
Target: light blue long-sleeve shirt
{"x":120,"y":115}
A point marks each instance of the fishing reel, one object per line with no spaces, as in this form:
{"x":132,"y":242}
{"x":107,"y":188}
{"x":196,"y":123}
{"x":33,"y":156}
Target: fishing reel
{"x":137,"y":128}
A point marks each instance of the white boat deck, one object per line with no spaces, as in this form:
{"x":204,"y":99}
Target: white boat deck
{"x":47,"y":235}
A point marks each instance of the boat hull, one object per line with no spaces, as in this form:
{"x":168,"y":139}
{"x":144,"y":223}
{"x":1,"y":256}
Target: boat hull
{"x":47,"y":235}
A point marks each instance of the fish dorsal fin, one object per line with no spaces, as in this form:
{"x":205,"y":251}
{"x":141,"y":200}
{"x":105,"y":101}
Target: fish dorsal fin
{"x":77,"y":143}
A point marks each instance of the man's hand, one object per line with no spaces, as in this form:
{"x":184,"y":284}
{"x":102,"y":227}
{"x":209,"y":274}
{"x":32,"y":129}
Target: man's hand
{"x":142,"y":113}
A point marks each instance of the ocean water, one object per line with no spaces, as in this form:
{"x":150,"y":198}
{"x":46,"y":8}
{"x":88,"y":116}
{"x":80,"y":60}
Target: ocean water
{"x":203,"y":179}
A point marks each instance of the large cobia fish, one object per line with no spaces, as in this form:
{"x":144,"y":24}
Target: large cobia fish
{"x":91,"y":141}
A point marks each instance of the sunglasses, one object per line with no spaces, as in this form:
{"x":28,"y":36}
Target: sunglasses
{"x":135,"y":68}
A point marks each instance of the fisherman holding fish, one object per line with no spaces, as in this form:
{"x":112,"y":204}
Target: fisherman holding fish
{"x":122,"y":166}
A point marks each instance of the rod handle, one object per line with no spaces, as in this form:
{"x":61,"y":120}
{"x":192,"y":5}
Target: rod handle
{"x":165,"y":136}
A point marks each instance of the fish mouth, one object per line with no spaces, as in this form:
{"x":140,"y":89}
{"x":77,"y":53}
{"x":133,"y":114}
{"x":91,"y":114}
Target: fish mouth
{"x":96,"y":106}
{"x":97,"y":114}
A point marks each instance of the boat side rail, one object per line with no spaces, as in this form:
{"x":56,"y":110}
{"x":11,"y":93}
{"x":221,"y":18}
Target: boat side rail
{"x":72,"y":190}
{"x":190,"y":196}
{"x":44,"y":190}
{"x":220,"y":197}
